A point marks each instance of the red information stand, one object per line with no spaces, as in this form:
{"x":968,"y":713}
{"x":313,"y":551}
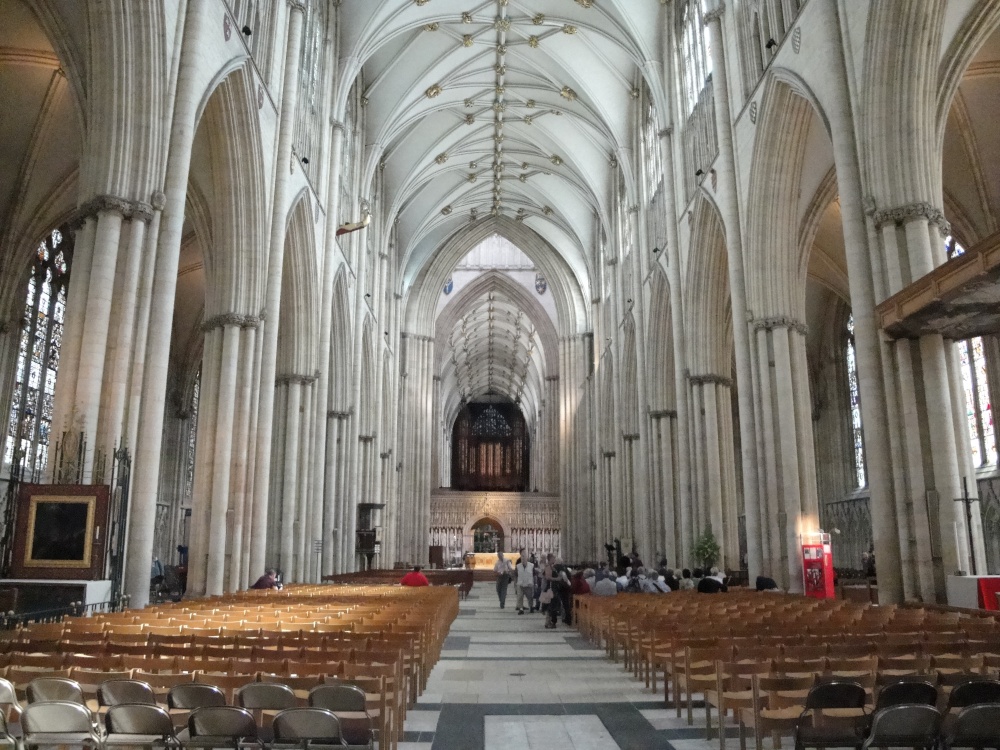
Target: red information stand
{"x":817,"y":565}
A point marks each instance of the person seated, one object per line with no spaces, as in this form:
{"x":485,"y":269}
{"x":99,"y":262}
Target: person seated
{"x":670,"y":579}
{"x":578,"y":585}
{"x":268,"y":581}
{"x":660,"y":581}
{"x":647,"y":582}
{"x":605,"y":587}
{"x":623,"y":579}
{"x":590,"y":577}
{"x":713,"y":583}
{"x":686,"y":582}
{"x":766,"y":584}
{"x":415,"y":578}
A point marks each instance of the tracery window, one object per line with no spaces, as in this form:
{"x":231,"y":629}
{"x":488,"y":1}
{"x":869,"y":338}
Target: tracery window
{"x":696,"y":52}
{"x":30,"y":422}
{"x":192,"y":439}
{"x":979,"y":411}
{"x":651,"y":145}
{"x":854,"y":391}
{"x":311,"y":59}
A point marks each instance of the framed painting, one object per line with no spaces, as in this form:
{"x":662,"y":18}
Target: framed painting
{"x":60,"y":532}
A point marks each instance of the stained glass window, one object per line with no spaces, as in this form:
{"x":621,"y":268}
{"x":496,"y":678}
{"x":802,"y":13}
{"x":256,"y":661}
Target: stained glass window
{"x":192,"y":439}
{"x":978,"y":409}
{"x":30,"y":421}
{"x":857,"y":434}
{"x":952,"y":247}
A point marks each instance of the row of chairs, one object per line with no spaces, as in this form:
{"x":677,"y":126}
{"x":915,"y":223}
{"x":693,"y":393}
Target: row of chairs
{"x":260,"y":700}
{"x":836,"y":715}
{"x":382,"y":638}
{"x":61,"y":723}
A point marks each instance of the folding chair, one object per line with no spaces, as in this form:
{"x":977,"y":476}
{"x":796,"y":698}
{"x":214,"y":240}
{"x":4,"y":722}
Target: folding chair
{"x":221,"y":726}
{"x":307,"y":728}
{"x":54,"y":723}
{"x":139,"y":724}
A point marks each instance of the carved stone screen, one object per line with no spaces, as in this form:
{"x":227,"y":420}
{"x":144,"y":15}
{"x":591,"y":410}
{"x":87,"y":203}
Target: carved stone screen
{"x":490,"y":448}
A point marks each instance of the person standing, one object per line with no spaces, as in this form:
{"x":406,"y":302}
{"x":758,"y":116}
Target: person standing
{"x":525,"y":574}
{"x":503,"y":569}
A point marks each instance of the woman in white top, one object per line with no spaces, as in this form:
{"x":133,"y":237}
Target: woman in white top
{"x":525,"y":582}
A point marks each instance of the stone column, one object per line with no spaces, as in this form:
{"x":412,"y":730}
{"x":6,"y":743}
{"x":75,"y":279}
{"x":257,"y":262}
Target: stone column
{"x":860,"y":260}
{"x":276,"y":254}
{"x":786,"y":433}
{"x":142,"y":302}
{"x":111,"y":428}
{"x":238,"y":574}
{"x":142,"y":513}
{"x":289,"y":506}
{"x":729,"y":208}
{"x":204,"y":452}
{"x":222,"y":458}
{"x":97,"y":320}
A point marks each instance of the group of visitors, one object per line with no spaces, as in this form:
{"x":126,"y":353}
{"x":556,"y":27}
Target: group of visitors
{"x":543,"y":585}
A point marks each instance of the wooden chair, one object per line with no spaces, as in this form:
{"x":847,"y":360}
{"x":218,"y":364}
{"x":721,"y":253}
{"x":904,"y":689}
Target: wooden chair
{"x":764,"y":718}
{"x":733,"y":691}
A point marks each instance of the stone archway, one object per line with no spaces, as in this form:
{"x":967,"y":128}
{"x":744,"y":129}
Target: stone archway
{"x":487,"y":535}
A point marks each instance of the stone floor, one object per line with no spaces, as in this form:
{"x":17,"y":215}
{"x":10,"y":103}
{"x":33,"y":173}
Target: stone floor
{"x":504,"y":682}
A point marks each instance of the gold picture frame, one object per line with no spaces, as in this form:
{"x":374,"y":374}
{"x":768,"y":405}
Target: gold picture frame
{"x":60,"y":531}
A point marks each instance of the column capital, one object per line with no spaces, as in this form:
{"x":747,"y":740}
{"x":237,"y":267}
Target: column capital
{"x":769,"y":324}
{"x":366,"y":438}
{"x":128,"y":209}
{"x":340,"y":414}
{"x":231,"y":319}
{"x":298,"y":5}
{"x":630,"y":437}
{"x":291,"y":378}
{"x":663,"y":413}
{"x":910,"y":212}
{"x":337,"y":125}
{"x":710,"y":378}
{"x":666,"y":132}
{"x":714,"y":13}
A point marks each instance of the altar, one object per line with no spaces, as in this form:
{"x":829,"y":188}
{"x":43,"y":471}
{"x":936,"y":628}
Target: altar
{"x":483,"y":560}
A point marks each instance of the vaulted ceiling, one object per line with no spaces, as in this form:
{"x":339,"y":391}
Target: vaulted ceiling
{"x":480,"y":109}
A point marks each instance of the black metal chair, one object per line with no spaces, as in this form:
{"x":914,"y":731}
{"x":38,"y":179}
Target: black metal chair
{"x":973,"y":692}
{"x":815,"y":730}
{"x":55,"y":723}
{"x":222,"y":726}
{"x":139,"y":725}
{"x":897,"y":693}
{"x":55,"y":689}
{"x":118,"y":692}
{"x":349,"y":704}
{"x":189,"y":696}
{"x":307,"y":728}
{"x":258,"y":697}
{"x":976,"y":727}
{"x":905,"y":726}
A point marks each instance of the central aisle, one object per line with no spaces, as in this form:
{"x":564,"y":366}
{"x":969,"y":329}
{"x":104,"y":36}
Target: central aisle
{"x":504,"y":682}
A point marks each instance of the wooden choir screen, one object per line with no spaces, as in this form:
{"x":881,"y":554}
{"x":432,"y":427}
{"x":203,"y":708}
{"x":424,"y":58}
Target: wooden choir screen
{"x":490,"y":448}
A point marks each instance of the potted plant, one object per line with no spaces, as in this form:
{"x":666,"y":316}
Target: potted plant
{"x":706,"y":549}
